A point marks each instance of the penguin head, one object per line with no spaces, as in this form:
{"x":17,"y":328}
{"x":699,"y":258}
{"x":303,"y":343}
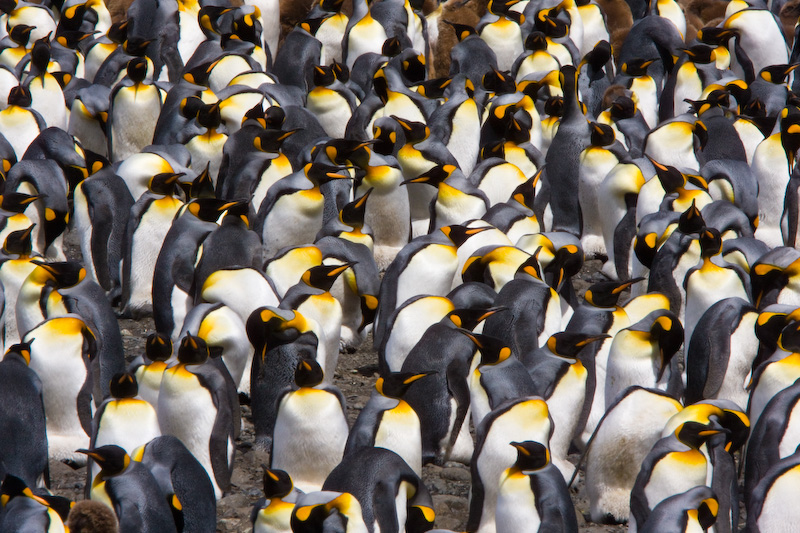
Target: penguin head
{"x":670,"y":177}
{"x":531,"y":456}
{"x":193,"y":350}
{"x":124,"y":385}
{"x":462,"y":30}
{"x":716,"y":36}
{"x":623,"y":107}
{"x":396,"y":384}
{"x":525,"y":193}
{"x":598,"y":56}
{"x":60,"y":273}
{"x":352,"y":214}
{"x":13,"y":487}
{"x":201,"y":186}
{"x":554,"y":106}
{"x":790,"y":133}
{"x":414,"y":131}
{"x":459,"y":234}
{"x":20,"y":34}
{"x":388,"y":136}
{"x":536,"y":40}
{"x":707,"y":512}
{"x":789,"y":339}
{"x":308,"y":373}
{"x":435,"y":88}
{"x":637,"y":67}
{"x":22,"y":349}
{"x":20,"y":96}
{"x":493,"y":350}
{"x":270,"y":141}
{"x":667,"y":331}
{"x":111,"y":459}
{"x":433,"y":177}
{"x":137,"y":69}
{"x":268,"y":327}
{"x":567,"y":261}
{"x":323,"y":76}
{"x":468,"y":318}
{"x":700,"y":54}
{"x":607,"y":293}
{"x":691,"y":220}
{"x":694,"y":434}
{"x":498,"y":83}
{"x":209,"y":116}
{"x":601,"y":134}
{"x":165,"y":183}
{"x":320,"y":173}
{"x":323,"y":276}
{"x":40,"y":54}
{"x":341,"y":71}
{"x":569,"y":344}
{"x":158,"y":347}
{"x":412,"y":66}
{"x":391,"y":47}
{"x":369,"y":309}
{"x":118,"y":32}
{"x":19,"y":242}
{"x":277,"y":483}
{"x":710,"y":242}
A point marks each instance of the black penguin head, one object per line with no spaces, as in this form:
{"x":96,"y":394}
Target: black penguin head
{"x":61,"y":273}
{"x":459,"y":234}
{"x":308,"y":373}
{"x":353,"y":213}
{"x":391,"y":47}
{"x":19,"y":96}
{"x":637,"y":67}
{"x":413,"y":67}
{"x":607,"y":293}
{"x":414,"y":131}
{"x":710,"y":242}
{"x":525,"y":193}
{"x":598,"y":56}
{"x":462,"y":30}
{"x":17,"y":202}
{"x":622,"y":108}
{"x":670,"y":177}
{"x":22,"y":349}
{"x":165,"y":183}
{"x":158,"y":347}
{"x":201,"y":186}
{"x":396,"y":384}
{"x":536,"y":40}
{"x":468,"y":318}
{"x":118,"y":32}
{"x":111,"y":459}
{"x":691,"y":220}
{"x":498,"y":82}
{"x":274,"y":117}
{"x":320,"y":173}
{"x":277,"y":484}
{"x":569,"y":344}
{"x":369,"y":309}
{"x":268,"y":327}
{"x":270,"y":140}
{"x":602,"y":134}
{"x":567,"y":261}
{"x":323,"y":76}
{"x":433,"y":177}
{"x":323,"y":276}
{"x":695,"y":434}
{"x":716,"y":36}
{"x":137,"y":69}
{"x":40,"y":54}
{"x":493,"y":350}
{"x":312,"y":25}
{"x":20,"y":34}
{"x":19,"y":242}
{"x":707,"y":512}
{"x":531,"y":456}
{"x":668,"y":333}
{"x":789,"y":338}
{"x":209,"y":116}
{"x":341,"y":71}
{"x":124,"y":385}
{"x":700,"y":53}
{"x":554,"y":106}
{"x":14,"y":487}
{"x":193,"y":350}
{"x":434,"y":88}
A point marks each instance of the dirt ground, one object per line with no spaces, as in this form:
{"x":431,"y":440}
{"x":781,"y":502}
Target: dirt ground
{"x":355,"y":376}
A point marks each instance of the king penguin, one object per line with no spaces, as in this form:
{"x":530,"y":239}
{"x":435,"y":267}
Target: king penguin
{"x":133,"y":112}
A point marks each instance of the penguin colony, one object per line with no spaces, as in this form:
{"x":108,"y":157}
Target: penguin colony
{"x":271,"y":200}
